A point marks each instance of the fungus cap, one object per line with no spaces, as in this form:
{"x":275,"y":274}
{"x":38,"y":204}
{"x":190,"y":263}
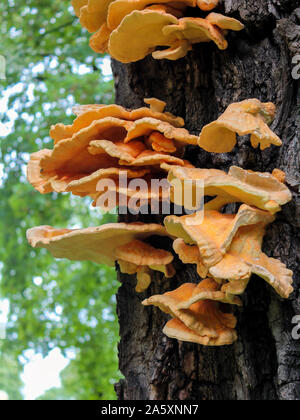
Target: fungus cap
{"x":204,"y":317}
{"x":59,"y":179}
{"x":126,"y":47}
{"x":279,"y":175}
{"x":156,"y":105}
{"x":176,"y":329}
{"x":119,"y":9}
{"x":207,"y":4}
{"x":247,"y":245}
{"x":150,"y":158}
{"x":188,"y":254}
{"x":146,"y":126}
{"x":77,"y":5}
{"x":96,"y":244}
{"x":143,"y":254}
{"x":87,"y":114}
{"x":195,"y":30}
{"x":225,"y":22}
{"x":88,"y":184}
{"x":100,"y":39}
{"x":125,"y":152}
{"x":215,"y":232}
{"x":160,"y":143}
{"x":133,"y":153}
{"x":207,"y":289}
{"x":92,"y":13}
{"x":247,"y":117}
{"x":179,"y":49}
{"x":261,"y":190}
{"x":140,"y":258}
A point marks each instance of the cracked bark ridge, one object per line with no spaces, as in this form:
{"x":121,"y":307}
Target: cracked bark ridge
{"x":264,"y":364}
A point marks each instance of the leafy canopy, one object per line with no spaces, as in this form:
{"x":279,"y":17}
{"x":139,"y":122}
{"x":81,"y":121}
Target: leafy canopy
{"x":50,"y":67}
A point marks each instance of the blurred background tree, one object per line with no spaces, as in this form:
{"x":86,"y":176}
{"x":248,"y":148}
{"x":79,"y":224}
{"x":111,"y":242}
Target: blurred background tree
{"x":52,"y":303}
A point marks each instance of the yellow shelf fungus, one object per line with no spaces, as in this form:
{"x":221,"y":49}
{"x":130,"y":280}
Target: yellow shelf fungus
{"x":263,"y":190}
{"x":228,"y":248}
{"x":129,"y":30}
{"x":247,"y":117}
{"x":108,"y":244}
{"x":196,"y":314}
{"x":108,"y":142}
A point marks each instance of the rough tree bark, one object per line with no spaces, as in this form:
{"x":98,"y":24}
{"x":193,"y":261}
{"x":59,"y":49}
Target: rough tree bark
{"x":264,"y":364}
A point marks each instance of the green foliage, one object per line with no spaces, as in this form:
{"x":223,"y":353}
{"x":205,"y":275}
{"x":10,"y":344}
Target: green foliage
{"x":10,"y":381}
{"x":50,"y":67}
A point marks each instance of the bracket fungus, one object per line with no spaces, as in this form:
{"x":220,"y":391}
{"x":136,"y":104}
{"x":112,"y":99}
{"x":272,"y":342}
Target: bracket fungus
{"x":207,"y":4}
{"x":196,"y":314}
{"x":228,"y":248}
{"x":147,"y":126}
{"x":100,"y":39}
{"x":158,"y":23}
{"x":247,"y":117}
{"x":245,"y":252}
{"x":195,"y":30}
{"x":157,"y":28}
{"x":108,"y":244}
{"x":92,"y":13}
{"x":106,"y":142}
{"x":77,"y":5}
{"x":126,"y":47}
{"x":119,"y":9}
{"x":142,"y":258}
{"x":97,"y":244}
{"x":214,"y":232}
{"x":263,"y":190}
{"x":87,"y":114}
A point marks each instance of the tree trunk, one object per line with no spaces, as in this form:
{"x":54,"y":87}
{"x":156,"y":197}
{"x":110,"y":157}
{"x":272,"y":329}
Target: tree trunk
{"x":264,"y":363}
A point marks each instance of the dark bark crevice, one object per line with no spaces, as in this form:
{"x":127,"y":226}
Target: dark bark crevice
{"x":264,"y":363}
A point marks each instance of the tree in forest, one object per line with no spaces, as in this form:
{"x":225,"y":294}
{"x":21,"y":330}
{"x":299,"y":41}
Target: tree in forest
{"x":264,"y":363}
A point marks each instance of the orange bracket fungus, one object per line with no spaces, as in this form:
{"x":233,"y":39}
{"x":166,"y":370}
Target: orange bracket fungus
{"x":228,"y":248}
{"x":158,"y":23}
{"x":92,"y":13}
{"x":245,"y":252}
{"x":196,"y":314}
{"x":140,"y":258}
{"x":109,"y":142}
{"x":207,"y":4}
{"x":213,"y":235}
{"x":190,"y":31}
{"x":247,"y":117}
{"x":87,"y":114}
{"x":119,"y":9}
{"x":159,"y":29}
{"x":106,"y":142}
{"x":107,"y":244}
{"x":263,"y":190}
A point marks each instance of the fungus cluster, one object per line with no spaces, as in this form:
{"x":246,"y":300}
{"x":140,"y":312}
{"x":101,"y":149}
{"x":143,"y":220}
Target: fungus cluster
{"x":106,"y":143}
{"x":247,"y":117}
{"x":108,"y":244}
{"x":129,"y":30}
{"x":148,"y":143}
{"x":196,"y":314}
